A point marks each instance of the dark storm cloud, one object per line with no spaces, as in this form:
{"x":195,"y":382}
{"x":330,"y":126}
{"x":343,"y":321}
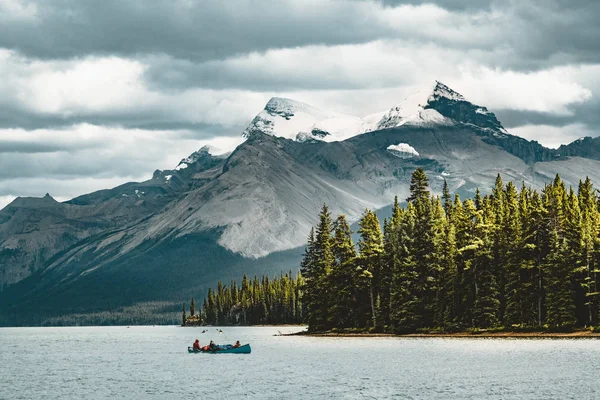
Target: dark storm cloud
{"x":196,"y":30}
{"x":553,"y":32}
{"x":542,"y":32}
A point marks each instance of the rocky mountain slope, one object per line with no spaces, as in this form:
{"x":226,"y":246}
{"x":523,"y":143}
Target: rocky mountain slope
{"x":216,"y":216}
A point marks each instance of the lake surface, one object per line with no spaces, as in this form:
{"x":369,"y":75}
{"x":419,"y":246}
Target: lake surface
{"x":152,"y":362}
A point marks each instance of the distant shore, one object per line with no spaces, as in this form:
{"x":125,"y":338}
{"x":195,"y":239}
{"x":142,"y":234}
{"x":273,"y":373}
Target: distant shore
{"x":583,"y":334}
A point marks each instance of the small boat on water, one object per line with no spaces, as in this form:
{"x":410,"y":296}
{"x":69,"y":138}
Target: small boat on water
{"x":224,"y":349}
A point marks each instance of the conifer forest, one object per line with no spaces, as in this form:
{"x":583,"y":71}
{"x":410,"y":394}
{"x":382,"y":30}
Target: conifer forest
{"x":260,"y":301}
{"x":515,"y":259}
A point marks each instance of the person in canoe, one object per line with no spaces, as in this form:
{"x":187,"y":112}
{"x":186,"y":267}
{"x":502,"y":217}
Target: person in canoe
{"x":212,"y":346}
{"x":237,"y":344}
{"x":196,"y":346}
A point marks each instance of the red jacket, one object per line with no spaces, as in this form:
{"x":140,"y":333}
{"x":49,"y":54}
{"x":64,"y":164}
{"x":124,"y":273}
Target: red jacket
{"x":196,"y":345}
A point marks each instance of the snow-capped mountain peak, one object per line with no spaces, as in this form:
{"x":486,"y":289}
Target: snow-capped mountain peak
{"x":416,"y":109}
{"x":441,"y":90}
{"x":434,"y":104}
{"x":300,"y":121}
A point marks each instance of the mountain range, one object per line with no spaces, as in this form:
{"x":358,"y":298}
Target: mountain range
{"x":219,"y":215}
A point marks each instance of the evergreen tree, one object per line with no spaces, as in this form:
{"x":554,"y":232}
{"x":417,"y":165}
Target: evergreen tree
{"x":192,"y":308}
{"x":448,"y":312}
{"x":371,"y":252}
{"x":560,"y":304}
{"x":405,"y":310}
{"x":487,"y":304}
{"x":419,"y":185}
{"x":418,"y":272}
{"x":590,"y":223}
{"x":316,"y":267}
{"x":511,"y":244}
{"x":447,"y":199}
{"x":343,"y":277}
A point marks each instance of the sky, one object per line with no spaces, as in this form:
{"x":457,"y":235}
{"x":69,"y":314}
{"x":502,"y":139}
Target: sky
{"x":94,"y":94}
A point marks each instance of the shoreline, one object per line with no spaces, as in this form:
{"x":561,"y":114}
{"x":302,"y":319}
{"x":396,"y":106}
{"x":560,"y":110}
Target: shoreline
{"x":487,"y":335}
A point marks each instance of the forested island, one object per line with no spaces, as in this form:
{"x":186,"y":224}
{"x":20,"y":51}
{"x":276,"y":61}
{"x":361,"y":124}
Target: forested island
{"x":514,"y":260}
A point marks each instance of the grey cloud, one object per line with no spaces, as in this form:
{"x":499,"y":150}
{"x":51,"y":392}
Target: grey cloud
{"x":60,"y":166}
{"x":13,"y":146}
{"x":448,"y":4}
{"x":86,"y":163}
{"x":533,"y":33}
{"x":585,"y":114}
{"x":183,"y":47}
{"x":15,"y":117}
{"x":553,"y":32}
{"x":198,"y":30}
{"x":170,"y":74}
{"x":516,"y":118}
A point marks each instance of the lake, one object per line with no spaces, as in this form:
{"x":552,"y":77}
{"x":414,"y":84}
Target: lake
{"x":152,"y":362}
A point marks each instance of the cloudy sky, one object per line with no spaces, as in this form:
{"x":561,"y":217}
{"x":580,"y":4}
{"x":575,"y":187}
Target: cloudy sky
{"x":96,"y":93}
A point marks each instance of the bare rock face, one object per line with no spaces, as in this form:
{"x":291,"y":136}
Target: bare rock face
{"x":221,"y":215}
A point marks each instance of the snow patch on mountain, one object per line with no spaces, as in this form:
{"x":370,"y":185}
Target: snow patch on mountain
{"x":204,"y":151}
{"x":182,"y":165}
{"x":403,"y":150}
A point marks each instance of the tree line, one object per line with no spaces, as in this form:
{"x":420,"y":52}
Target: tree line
{"x":259,"y":301}
{"x":516,"y":258}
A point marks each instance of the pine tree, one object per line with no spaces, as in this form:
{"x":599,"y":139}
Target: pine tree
{"x":405,"y":310}
{"x":419,"y":185}
{"x":447,"y":199}
{"x":560,"y":304}
{"x":527,"y":257}
{"x":487,"y":305}
{"x":310,"y":289}
{"x":371,"y":252}
{"x":343,"y":277}
{"x":387,"y":268}
{"x":478,"y":200}
{"x":342,"y":246}
{"x":448,"y":312}
{"x":192,"y":308}
{"x":418,"y":273}
{"x":211,"y":308}
{"x":183,"y":317}
{"x":511,"y":240}
{"x":590,"y":222}
{"x":316,"y":267}
{"x":323,"y":265}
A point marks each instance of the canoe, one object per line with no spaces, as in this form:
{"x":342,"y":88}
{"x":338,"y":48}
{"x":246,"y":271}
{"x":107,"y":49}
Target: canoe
{"x":228,"y":349}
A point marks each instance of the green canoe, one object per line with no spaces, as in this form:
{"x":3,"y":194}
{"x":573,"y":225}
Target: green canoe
{"x":223,"y":349}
